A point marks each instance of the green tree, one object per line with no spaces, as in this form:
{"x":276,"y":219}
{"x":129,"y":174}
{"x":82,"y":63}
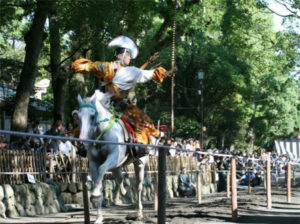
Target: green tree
{"x":34,"y":40}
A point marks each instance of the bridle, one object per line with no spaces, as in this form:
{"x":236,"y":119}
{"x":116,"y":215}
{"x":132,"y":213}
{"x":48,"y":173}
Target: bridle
{"x":111,"y":122}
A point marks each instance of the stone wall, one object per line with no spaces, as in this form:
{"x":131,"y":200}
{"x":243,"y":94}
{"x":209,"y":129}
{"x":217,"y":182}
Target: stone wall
{"x":30,"y":199}
{"x":42,"y":198}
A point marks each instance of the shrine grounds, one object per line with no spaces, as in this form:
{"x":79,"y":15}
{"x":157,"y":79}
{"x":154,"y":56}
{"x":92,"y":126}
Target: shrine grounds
{"x":215,"y":208}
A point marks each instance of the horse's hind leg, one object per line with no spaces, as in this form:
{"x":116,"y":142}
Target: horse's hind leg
{"x":117,"y":173}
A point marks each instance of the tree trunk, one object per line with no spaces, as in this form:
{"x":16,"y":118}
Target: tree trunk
{"x":251,"y":133}
{"x":59,"y":77}
{"x":34,"y":41}
{"x":221,"y":139}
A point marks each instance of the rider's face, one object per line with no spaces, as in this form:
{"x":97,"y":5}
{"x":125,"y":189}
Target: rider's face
{"x":127,"y":58}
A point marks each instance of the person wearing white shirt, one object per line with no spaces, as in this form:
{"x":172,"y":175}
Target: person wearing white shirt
{"x":173,"y":151}
{"x":118,"y":79}
{"x":65,"y":147}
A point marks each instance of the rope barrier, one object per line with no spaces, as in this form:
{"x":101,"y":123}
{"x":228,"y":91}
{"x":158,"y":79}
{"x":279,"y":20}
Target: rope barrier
{"x":156,"y":147}
{"x":130,"y":172}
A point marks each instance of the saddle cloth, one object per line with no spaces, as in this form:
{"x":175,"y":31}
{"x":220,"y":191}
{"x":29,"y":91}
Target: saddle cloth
{"x":129,"y":136}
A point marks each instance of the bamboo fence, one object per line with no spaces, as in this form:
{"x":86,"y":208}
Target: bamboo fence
{"x":23,"y":162}
{"x":14,"y":166}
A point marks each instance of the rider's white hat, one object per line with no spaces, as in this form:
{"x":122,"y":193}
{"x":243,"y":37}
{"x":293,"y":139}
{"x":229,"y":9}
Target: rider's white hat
{"x":127,"y":43}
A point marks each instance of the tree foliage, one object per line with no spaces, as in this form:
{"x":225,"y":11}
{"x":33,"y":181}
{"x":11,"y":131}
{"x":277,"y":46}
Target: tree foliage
{"x":250,"y":90}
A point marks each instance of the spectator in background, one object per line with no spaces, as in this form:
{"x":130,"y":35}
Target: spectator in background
{"x":222,"y":167}
{"x":168,"y":142}
{"x":55,"y":130}
{"x":179,"y":152}
{"x":75,"y":118}
{"x":183,"y":145}
{"x":211,"y":158}
{"x":197,"y":145}
{"x":70,"y":128}
{"x":190,"y":147}
{"x":204,"y":160}
{"x":173,"y":151}
{"x":3,"y":143}
{"x":35,"y":143}
{"x":185,"y":186}
{"x":35,"y":127}
{"x":21,"y":144}
{"x":81,"y":150}
{"x":65,"y":146}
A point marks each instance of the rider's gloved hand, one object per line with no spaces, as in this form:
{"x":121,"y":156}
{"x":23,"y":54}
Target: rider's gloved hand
{"x":81,"y":65}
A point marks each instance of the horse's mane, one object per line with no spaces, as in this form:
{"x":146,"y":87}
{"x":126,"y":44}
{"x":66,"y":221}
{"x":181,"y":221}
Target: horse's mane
{"x":103,"y":98}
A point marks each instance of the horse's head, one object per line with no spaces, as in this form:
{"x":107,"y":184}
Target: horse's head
{"x":90,"y":112}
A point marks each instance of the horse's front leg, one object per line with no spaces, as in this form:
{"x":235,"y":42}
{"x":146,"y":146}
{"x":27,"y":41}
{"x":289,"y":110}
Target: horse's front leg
{"x":107,"y":165}
{"x":139,"y":168}
{"x":96,"y":198}
{"x":97,"y":194}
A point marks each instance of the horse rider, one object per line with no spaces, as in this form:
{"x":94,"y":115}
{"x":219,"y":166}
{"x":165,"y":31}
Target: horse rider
{"x":118,"y":79}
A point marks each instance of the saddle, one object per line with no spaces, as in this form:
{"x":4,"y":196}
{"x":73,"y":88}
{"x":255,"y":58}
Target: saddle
{"x":129,"y":137}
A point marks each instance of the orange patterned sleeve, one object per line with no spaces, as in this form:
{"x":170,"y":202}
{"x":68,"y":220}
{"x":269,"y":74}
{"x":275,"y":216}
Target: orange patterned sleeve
{"x":85,"y":66}
{"x":158,"y":74}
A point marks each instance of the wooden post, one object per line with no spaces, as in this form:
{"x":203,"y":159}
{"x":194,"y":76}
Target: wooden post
{"x":268,"y":182}
{"x":294,"y":176}
{"x":161,"y":213}
{"x":156,"y":191}
{"x":51,"y":167}
{"x":199,"y":186}
{"x":249,"y":182}
{"x":233,"y":190}
{"x":228,"y":183}
{"x":1,"y":162}
{"x":44,"y":167}
{"x":285,"y":174}
{"x":276,"y":175}
{"x":265,"y":180}
{"x":73,"y":164}
{"x":288,"y":182}
{"x":85,"y":199}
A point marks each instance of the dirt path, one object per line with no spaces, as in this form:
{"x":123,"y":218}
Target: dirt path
{"x":214,"y":209}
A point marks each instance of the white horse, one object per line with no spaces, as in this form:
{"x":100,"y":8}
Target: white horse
{"x":94,"y":117}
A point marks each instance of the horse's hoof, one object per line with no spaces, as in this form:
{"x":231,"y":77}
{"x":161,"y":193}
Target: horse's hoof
{"x":139,"y":218}
{"x":118,"y":202}
{"x":99,"y":220}
{"x":134,"y":217}
{"x":95,"y":199}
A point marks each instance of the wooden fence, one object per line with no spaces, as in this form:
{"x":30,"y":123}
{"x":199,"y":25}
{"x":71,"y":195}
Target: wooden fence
{"x":20,"y":161}
{"x":67,"y":168}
